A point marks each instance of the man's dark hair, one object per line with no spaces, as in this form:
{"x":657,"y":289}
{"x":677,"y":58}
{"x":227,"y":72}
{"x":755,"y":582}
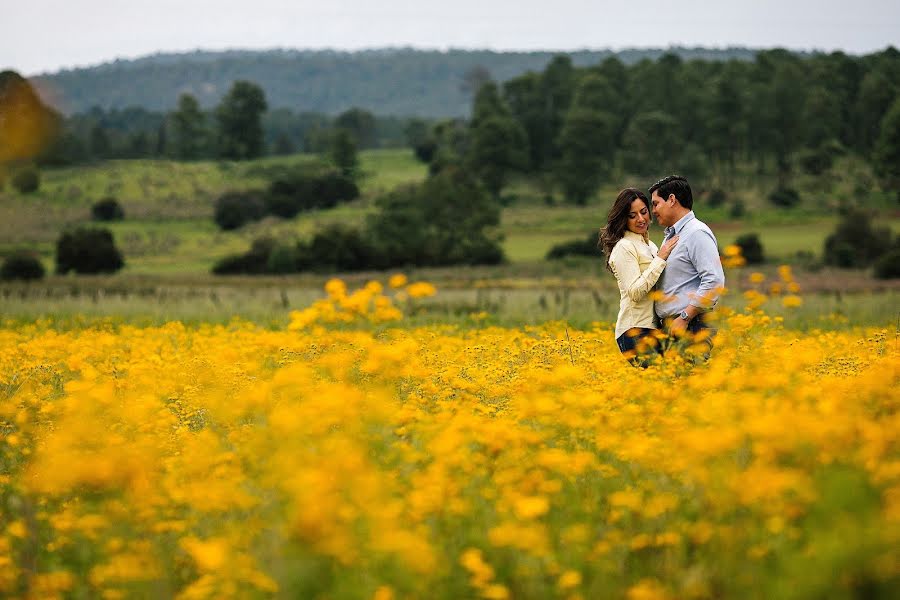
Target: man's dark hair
{"x":674,"y":184}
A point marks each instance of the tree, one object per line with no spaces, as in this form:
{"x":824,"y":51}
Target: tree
{"x":343,"y":153}
{"x":448,"y":219}
{"x":21,"y":265}
{"x":87,"y":251}
{"x":886,"y":158}
{"x":655,"y":146}
{"x":99,"y":142}
{"x":189,"y":134}
{"x":240,"y":125}
{"x":588,"y":139}
{"x":360,"y":124}
{"x":498,"y":142}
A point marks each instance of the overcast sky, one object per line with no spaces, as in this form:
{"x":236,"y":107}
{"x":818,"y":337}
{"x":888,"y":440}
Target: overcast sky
{"x":38,"y":36}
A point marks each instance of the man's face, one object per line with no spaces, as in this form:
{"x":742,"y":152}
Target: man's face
{"x":663,"y":208}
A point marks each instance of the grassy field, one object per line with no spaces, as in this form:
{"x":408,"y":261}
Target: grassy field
{"x":169,"y":230}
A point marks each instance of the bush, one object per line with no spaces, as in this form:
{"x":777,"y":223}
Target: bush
{"x":816,"y":161}
{"x":339,"y":248}
{"x":447,"y":220}
{"x":888,"y":266}
{"x":717,"y":197}
{"x":855,"y":243}
{"x":27,"y":180}
{"x":290,"y":195}
{"x":425,"y":150}
{"x":235,"y":209}
{"x":784,"y":197}
{"x":751,"y":248}
{"x":738,"y":209}
{"x":253,"y":262}
{"x":282,"y":260}
{"x":21,"y":265}
{"x":583,"y":247}
{"x":107,"y":209}
{"x":87,"y":251}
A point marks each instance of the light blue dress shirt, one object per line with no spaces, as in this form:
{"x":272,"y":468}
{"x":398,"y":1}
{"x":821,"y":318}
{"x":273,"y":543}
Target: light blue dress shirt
{"x":693,"y":273}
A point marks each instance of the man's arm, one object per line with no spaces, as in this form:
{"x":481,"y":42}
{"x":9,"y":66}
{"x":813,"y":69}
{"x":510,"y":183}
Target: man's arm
{"x":704,"y":254}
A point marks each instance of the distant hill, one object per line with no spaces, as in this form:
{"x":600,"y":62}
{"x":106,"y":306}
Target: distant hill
{"x":398,"y":81}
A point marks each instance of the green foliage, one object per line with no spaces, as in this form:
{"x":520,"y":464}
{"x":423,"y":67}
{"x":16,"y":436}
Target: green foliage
{"x":716,"y":198}
{"x":888,"y":265}
{"x":343,"y":153}
{"x":581,"y":247}
{"x":855,"y":243}
{"x":239,"y":119}
{"x":651,"y":142}
{"x":886,"y":158}
{"x":498,"y":143}
{"x":27,"y":180}
{"x":87,"y":251}
{"x":189,"y":132}
{"x":21,"y":265}
{"x":253,"y":262}
{"x":291,"y":194}
{"x":361,"y":125}
{"x":235,"y":209}
{"x":784,"y":197}
{"x":449,"y":219}
{"x":339,"y":248}
{"x":751,"y":248}
{"x":107,"y":209}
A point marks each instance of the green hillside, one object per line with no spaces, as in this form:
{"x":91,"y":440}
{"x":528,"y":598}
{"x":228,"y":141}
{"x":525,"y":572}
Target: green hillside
{"x":398,"y":81}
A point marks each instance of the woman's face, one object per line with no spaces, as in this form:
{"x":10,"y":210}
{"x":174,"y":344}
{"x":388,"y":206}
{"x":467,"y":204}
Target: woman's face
{"x":638,"y":217}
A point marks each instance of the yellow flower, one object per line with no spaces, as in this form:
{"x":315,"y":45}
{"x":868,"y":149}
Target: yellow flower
{"x":420,"y":289}
{"x":398,"y":280}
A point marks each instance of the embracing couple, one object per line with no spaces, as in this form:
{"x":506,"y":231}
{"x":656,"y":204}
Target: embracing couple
{"x":686,"y":269}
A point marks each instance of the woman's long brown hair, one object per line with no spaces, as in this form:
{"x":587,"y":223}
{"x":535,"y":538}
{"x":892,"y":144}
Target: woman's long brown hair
{"x":617,"y":220}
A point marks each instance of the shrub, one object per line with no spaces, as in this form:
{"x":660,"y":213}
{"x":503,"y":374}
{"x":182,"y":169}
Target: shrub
{"x":888,"y":266}
{"x":738,"y":209}
{"x":87,"y":251}
{"x":282,"y":260}
{"x":583,"y":247}
{"x":855,"y":243}
{"x":784,"y":197}
{"x":449,"y":219}
{"x":21,"y":265}
{"x":235,"y":209}
{"x":27,"y":180}
{"x":292,"y":194}
{"x":751,"y":248}
{"x":253,"y":262}
{"x":107,"y":209}
{"x":425,"y":150}
{"x":717,"y":197}
{"x":816,"y":161}
{"x":341,"y":248}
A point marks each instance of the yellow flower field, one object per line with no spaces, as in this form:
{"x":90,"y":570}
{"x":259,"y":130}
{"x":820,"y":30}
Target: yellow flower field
{"x":349,"y":456}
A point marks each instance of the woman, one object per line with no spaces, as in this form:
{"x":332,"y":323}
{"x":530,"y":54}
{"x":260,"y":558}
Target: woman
{"x":636,"y":263}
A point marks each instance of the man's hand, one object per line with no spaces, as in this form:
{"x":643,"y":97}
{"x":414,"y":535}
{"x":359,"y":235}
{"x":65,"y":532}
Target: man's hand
{"x":678,"y":326}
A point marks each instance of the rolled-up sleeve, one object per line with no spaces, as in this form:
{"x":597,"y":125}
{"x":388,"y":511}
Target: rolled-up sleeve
{"x":625,"y":264}
{"x":704,"y":254}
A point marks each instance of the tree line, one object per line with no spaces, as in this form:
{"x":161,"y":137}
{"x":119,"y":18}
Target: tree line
{"x":572,"y":127}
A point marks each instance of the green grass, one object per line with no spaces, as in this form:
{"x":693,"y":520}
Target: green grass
{"x":169,"y":229}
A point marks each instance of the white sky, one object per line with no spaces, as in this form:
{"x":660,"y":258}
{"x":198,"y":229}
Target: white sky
{"x":38,"y":36}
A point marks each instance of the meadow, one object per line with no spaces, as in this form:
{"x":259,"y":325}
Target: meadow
{"x":352,"y":451}
{"x":473,"y":434}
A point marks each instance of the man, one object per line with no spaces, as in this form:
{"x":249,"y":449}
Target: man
{"x":693,"y":278}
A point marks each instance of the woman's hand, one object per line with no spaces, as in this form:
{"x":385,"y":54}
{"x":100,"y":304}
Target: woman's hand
{"x":666,"y":249}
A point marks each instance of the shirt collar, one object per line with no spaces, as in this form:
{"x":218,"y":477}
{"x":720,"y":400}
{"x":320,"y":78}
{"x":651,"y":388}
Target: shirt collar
{"x":635,"y":237}
{"x":677,"y":227}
